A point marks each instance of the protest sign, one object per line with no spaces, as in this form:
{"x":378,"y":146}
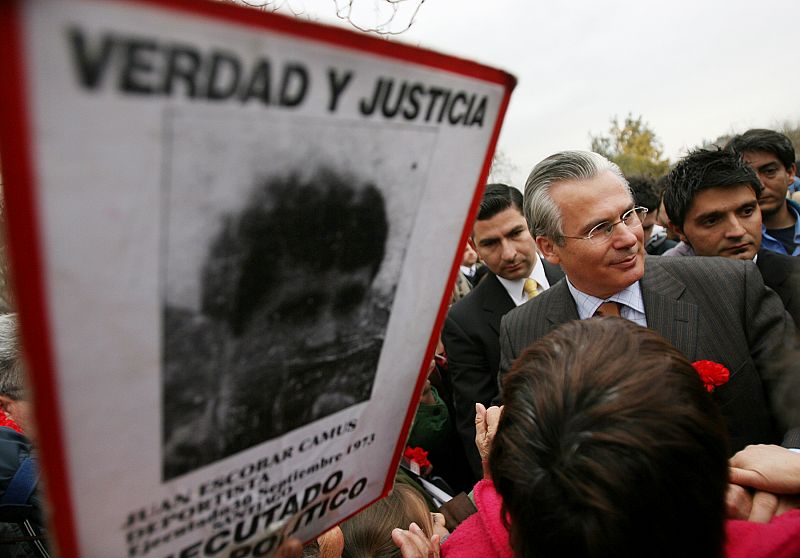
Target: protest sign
{"x":233,"y":234}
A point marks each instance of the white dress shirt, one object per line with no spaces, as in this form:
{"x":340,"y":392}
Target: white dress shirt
{"x":514,"y":288}
{"x":629,"y":298}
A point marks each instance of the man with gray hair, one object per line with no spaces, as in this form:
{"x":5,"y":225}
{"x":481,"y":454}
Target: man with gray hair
{"x":581,"y":212}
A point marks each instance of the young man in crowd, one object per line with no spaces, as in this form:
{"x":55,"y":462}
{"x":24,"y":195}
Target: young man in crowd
{"x":470,"y":335}
{"x":771,"y":155}
{"x":712,"y":198}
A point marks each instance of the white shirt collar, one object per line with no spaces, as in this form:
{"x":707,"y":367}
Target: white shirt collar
{"x":630,"y":298}
{"x":514,"y":288}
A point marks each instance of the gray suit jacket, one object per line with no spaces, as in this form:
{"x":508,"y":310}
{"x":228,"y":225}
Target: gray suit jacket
{"x":710,"y":309}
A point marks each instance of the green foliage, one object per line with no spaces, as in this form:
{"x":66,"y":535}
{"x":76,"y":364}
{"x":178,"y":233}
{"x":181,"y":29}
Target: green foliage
{"x":633,"y":146}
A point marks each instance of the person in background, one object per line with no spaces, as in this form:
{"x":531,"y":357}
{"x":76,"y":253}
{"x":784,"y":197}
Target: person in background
{"x":368,"y":534}
{"x":472,"y":268}
{"x":712,"y":200}
{"x":771,"y":154}
{"x":794,"y":187}
{"x":17,"y":438}
{"x":644,"y":193}
{"x":470,"y":334}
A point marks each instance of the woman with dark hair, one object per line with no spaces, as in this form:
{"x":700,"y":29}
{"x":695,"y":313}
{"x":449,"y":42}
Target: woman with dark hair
{"x":610,"y":445}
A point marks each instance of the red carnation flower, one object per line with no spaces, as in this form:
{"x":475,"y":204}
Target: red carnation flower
{"x":8,"y":422}
{"x":712,"y":373}
{"x":418,"y":455}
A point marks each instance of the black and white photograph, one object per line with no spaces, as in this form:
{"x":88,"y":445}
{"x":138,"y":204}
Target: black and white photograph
{"x":281,"y":264}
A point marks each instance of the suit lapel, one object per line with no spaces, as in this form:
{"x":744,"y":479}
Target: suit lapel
{"x":552,"y":272}
{"x":561,"y":306}
{"x":771,"y":268}
{"x":496,"y":302}
{"x":675,"y":319}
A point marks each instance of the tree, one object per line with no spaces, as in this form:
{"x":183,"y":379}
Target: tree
{"x":502,"y":169}
{"x":633,"y":146}
{"x":788,"y":128}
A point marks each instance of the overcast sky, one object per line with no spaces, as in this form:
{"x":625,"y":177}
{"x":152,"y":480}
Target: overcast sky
{"x":693,"y":70}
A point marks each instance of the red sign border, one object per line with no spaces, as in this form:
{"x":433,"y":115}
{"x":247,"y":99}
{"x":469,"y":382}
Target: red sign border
{"x":22,"y":219}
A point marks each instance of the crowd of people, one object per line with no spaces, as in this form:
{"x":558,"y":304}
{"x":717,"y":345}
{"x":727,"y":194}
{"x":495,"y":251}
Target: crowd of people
{"x":618,"y":373}
{"x":620,"y":368}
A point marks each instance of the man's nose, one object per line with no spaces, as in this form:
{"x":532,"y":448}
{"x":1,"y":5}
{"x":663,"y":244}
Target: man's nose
{"x":734,"y":228}
{"x":625,"y":236}
{"x":509,"y":251}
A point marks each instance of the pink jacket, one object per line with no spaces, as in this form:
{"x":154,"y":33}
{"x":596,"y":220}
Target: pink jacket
{"x":780,"y":538}
{"x":482,"y":534}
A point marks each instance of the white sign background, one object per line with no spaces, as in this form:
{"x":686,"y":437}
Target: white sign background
{"x":99,"y":164}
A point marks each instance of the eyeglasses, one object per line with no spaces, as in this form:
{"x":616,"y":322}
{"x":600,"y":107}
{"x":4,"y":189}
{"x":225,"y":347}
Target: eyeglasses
{"x":604,"y":231}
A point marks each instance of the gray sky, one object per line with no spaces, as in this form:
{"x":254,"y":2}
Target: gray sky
{"x":693,"y":70}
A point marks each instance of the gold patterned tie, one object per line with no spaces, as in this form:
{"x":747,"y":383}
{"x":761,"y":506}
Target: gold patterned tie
{"x":531,"y":288}
{"x":608,"y":309}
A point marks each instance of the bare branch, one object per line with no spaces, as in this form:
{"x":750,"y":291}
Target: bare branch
{"x":386,"y":13}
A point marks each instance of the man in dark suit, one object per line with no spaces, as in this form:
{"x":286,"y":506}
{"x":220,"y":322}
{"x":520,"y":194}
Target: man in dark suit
{"x":711,"y":197}
{"x":583,"y":217}
{"x":470,"y":335}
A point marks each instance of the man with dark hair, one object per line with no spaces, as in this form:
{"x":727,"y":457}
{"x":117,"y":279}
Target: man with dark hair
{"x":583,"y":217}
{"x":711,"y":197}
{"x":771,"y":155}
{"x":645,"y":194}
{"x":470,"y":335}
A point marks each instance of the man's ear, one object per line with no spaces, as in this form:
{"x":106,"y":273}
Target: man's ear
{"x":547,"y":248}
{"x":471,"y":242}
{"x":679,"y":231}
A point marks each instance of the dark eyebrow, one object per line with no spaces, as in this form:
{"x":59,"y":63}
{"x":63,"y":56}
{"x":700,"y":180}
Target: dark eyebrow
{"x":769,"y":166}
{"x":708,"y":214}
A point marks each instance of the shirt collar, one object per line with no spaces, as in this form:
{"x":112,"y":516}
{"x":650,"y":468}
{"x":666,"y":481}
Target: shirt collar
{"x":630,"y":296}
{"x":514,"y":288}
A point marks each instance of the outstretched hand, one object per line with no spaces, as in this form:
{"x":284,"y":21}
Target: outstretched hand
{"x":766,"y":467}
{"x":486,"y":421}
{"x":414,"y":544}
{"x":765,"y":481}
